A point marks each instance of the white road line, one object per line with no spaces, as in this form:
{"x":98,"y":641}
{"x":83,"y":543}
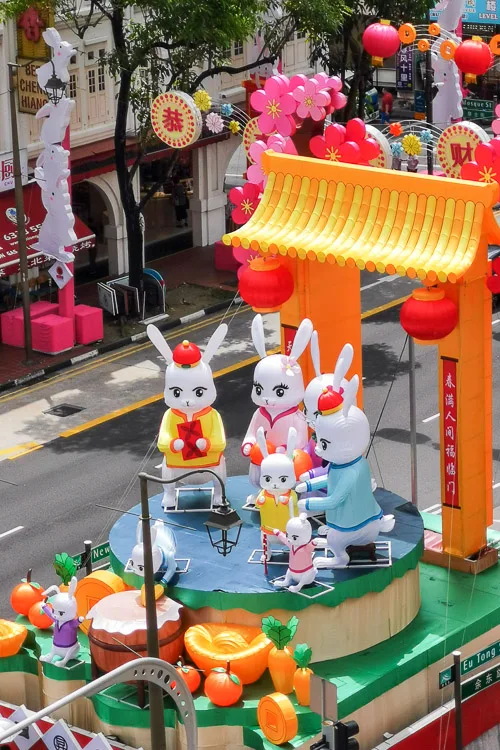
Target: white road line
{"x":496,"y":485}
{"x":12,"y":531}
{"x":495,"y":322}
{"x":384,"y":280}
{"x":434,"y":509}
{"x":430,"y":419}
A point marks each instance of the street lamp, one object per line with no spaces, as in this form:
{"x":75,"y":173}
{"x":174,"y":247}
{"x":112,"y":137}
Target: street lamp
{"x":55,"y":88}
{"x":223,"y":519}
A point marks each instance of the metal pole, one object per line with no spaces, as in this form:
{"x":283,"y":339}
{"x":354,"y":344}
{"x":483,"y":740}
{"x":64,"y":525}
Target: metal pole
{"x":413,"y":421}
{"x":21,"y":226}
{"x":457,"y":689}
{"x":88,"y":556}
{"x":428,"y":107}
{"x":157,"y":724}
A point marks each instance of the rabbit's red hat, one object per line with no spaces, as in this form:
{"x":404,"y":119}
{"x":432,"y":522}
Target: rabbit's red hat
{"x":186,"y":355}
{"x":330,"y":401}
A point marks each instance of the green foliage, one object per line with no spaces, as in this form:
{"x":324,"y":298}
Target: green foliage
{"x":279,"y":634}
{"x":65,"y":567}
{"x":302,"y":655}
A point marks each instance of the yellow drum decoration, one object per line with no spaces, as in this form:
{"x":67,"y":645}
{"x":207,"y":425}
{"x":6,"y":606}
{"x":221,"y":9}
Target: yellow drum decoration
{"x":251,"y":133}
{"x":215,"y":644}
{"x":176,"y":119}
{"x":407,"y":33}
{"x":92,"y":589}
{"x":456,"y":146}
{"x":12,"y":637}
{"x":277,"y":718}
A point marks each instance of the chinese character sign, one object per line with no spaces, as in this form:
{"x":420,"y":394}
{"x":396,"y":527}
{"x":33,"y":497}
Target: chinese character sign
{"x":176,"y":119}
{"x":7,"y":169}
{"x":449,"y":412}
{"x":404,"y":69}
{"x":475,"y":11}
{"x":456,"y":146}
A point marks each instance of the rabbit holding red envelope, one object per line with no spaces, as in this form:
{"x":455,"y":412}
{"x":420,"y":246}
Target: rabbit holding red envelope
{"x":191,"y":433}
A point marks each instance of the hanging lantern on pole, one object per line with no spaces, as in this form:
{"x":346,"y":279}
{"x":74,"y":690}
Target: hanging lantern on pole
{"x":428,"y":315}
{"x":381,"y":40}
{"x":474,"y":58}
{"x":266,"y":284}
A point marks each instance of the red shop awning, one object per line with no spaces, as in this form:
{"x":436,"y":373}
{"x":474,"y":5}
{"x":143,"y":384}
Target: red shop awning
{"x":35,"y":214}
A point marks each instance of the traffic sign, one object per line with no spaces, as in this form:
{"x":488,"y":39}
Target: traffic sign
{"x":97,"y":554}
{"x":480,"y":682}
{"x":323,"y":698}
{"x":446,"y":676}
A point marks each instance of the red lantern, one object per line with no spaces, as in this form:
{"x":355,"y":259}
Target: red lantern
{"x":473,"y":57}
{"x":265,"y":284}
{"x":381,"y":40}
{"x":428,"y":315}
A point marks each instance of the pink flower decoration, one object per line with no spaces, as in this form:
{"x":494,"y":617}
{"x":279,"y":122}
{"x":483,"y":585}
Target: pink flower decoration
{"x":495,"y":125}
{"x":278,"y":143}
{"x":311,"y":100}
{"x":245,"y":199}
{"x":244,"y":256}
{"x":333,"y":85}
{"x":486,"y":164}
{"x":346,"y":144}
{"x":276,"y":105}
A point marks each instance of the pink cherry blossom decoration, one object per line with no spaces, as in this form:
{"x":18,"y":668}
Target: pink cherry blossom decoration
{"x":277,"y":143}
{"x":311,"y":100}
{"x":245,"y":199}
{"x":346,"y":144}
{"x":276,"y":105}
{"x":333,"y":85}
{"x":495,"y":125}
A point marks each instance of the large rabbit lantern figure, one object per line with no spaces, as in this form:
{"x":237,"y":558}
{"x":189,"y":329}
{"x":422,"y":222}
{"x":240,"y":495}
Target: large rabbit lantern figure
{"x":191,"y":433}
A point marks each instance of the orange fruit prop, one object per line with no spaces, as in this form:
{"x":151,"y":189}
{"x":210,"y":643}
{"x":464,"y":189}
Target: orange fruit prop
{"x":191,"y":677}
{"x":302,"y":462}
{"x":25,"y":594}
{"x":277,"y":718}
{"x":38,"y":618}
{"x":223,"y":687}
{"x":12,"y":637}
{"x":255,"y":454}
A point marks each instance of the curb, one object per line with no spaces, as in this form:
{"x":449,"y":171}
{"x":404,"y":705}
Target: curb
{"x":167,"y":325}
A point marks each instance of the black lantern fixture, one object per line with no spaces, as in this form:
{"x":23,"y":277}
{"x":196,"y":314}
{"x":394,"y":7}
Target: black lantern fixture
{"x":55,"y":88}
{"x":221,"y":521}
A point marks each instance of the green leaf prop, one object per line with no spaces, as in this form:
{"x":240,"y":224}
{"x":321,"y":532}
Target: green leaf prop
{"x":65,"y":567}
{"x":302,"y":655}
{"x":292,"y":625}
{"x":279,"y":634}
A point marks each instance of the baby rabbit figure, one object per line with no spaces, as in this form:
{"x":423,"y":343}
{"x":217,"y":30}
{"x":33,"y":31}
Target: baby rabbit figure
{"x":66,"y":623}
{"x":278,"y":390}
{"x":191,"y":433}
{"x":353,"y":516}
{"x":276,"y":501}
{"x":164,"y":545}
{"x":298,"y":538}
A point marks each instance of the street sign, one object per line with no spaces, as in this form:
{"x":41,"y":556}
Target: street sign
{"x":97,"y":554}
{"x":477,"y":109}
{"x":480,"y":682}
{"x":323,"y":698}
{"x":446,"y":676}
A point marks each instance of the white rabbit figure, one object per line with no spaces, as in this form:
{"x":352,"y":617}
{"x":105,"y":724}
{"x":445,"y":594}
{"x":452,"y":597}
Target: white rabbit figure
{"x":298,"y":538}
{"x":57,"y":230}
{"x":163,"y":547}
{"x":58,"y":65}
{"x":56,"y":118}
{"x":52,"y":171}
{"x":447,"y":105}
{"x":353,"y":516}
{"x":278,"y":390}
{"x":191,"y":433}
{"x":66,"y":623}
{"x":277,"y":500}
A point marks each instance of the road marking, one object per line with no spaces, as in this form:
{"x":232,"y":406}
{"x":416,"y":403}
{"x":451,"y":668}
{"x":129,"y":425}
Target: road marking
{"x":16,"y":448}
{"x":495,"y":486}
{"x":430,"y":419}
{"x":11,"y":531}
{"x":495,"y":322}
{"x":380,"y":281}
{"x":25,"y":452}
{"x":434,"y":510}
{"x":382,"y":308}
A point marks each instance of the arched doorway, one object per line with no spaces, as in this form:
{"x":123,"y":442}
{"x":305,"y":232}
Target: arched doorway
{"x":94,"y":207}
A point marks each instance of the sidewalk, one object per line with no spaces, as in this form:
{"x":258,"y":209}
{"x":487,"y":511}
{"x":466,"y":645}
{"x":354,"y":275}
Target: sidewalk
{"x":193,"y":284}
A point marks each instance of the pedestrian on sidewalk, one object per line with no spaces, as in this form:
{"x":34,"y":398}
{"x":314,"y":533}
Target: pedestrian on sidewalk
{"x":180,"y":201}
{"x":386,"y":106}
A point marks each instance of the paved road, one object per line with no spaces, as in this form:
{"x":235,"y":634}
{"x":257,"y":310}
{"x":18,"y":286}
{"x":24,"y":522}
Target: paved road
{"x":52,"y":492}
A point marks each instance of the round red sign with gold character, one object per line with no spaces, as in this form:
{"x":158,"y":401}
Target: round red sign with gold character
{"x":176,"y":119}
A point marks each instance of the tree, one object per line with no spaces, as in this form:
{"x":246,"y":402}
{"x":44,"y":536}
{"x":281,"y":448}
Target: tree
{"x":343,"y":51}
{"x":178,"y":44}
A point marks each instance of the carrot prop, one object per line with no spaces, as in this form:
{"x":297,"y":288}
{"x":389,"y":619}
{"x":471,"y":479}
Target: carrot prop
{"x":281,"y":664}
{"x":302,"y":678}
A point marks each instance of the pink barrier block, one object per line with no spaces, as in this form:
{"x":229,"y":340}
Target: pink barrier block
{"x":224,"y":260}
{"x":12,"y":322}
{"x":52,"y":334}
{"x":89,"y":324}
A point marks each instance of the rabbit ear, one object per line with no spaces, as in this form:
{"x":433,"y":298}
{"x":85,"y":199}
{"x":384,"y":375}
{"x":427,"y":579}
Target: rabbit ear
{"x":291,"y":442}
{"x":159,"y":342}
{"x":51,"y":590}
{"x":349,"y":395}
{"x":258,"y":338}
{"x":154,"y":533}
{"x":261,"y":441}
{"x":303,"y":517}
{"x":138,"y":533}
{"x":315,"y":353}
{"x":344,"y":362}
{"x":52,"y":37}
{"x":216,"y":340}
{"x":302,"y":338}
{"x":72,"y":586}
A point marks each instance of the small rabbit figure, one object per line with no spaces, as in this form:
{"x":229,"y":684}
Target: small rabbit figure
{"x":353,"y":516}
{"x":277,"y":500}
{"x":56,"y":118}
{"x":164,"y":546}
{"x":58,"y":65}
{"x":191,"y":433}
{"x":298,"y":538}
{"x":278,"y":390}
{"x":66,"y":623}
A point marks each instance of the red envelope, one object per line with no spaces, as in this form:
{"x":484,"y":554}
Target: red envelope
{"x":190,"y":432}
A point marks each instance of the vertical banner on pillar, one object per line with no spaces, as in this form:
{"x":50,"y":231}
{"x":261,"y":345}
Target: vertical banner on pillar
{"x":449,"y":413}
{"x":288,"y":338}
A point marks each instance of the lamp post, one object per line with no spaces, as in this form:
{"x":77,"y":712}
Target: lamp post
{"x":20,"y":220}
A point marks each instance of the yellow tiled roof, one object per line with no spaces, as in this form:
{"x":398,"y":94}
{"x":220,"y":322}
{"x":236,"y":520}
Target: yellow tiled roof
{"x":378,"y":219}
